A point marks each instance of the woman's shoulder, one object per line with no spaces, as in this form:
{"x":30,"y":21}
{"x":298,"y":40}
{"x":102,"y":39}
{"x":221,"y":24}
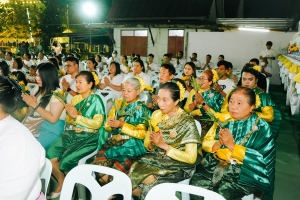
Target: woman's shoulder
{"x":156,"y":114}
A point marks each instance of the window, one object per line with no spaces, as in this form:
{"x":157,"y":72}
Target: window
{"x":175,"y":41}
{"x":134,"y":41}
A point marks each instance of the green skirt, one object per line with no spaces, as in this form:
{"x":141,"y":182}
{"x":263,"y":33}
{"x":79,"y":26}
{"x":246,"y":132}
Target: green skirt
{"x":71,"y":147}
{"x":221,"y":178}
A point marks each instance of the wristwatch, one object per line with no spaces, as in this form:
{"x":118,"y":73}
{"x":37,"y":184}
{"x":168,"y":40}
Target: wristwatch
{"x":69,"y":89}
{"x":203,"y":104}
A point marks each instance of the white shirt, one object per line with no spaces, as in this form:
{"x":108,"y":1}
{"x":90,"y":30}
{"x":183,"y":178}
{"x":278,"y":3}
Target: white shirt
{"x":22,"y":158}
{"x":28,"y":63}
{"x":10,"y":64}
{"x":142,"y":75}
{"x":181,"y":64}
{"x":197,"y":63}
{"x":31,"y":78}
{"x":124,"y":69}
{"x":211,"y":65}
{"x":117,"y":80}
{"x":72,"y":86}
{"x":268,"y":53}
{"x":153,"y":67}
{"x":42,"y":61}
{"x":226,"y":84}
{"x":116,"y":59}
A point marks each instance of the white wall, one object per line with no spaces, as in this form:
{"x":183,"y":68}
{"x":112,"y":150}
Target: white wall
{"x":237,"y":47}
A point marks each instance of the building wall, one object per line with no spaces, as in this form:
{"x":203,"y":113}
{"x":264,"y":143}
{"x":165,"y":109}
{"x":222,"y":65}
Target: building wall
{"x":160,"y":37}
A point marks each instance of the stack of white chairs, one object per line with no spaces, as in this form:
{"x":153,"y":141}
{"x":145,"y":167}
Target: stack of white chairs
{"x":83,"y":174}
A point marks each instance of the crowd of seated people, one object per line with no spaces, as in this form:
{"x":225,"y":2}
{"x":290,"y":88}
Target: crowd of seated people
{"x":154,"y":143}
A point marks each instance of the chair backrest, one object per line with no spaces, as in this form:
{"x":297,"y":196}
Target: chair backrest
{"x":106,"y":95}
{"x":45,"y":174}
{"x":198,"y":127}
{"x":31,"y":87}
{"x":82,"y":174}
{"x":168,"y":191}
{"x":154,"y":81}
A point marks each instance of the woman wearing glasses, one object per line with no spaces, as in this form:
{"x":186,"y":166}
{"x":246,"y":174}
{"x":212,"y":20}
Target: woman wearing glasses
{"x":205,"y":100}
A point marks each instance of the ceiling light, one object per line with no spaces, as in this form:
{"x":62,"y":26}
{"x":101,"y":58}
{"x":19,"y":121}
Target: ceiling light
{"x":254,"y":29}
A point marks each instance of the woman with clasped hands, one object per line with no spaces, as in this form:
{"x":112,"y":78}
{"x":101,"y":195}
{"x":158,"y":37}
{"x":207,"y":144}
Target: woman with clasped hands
{"x":240,"y":156}
{"x":172,"y":143}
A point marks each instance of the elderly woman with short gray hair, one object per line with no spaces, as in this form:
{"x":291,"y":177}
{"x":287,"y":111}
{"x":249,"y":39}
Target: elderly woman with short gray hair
{"x":126,"y":123}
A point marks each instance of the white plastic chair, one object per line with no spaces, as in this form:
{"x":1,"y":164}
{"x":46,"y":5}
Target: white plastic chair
{"x":110,"y":96}
{"x":186,"y":196}
{"x":32,"y":87}
{"x":82,"y":174}
{"x":168,"y":191}
{"x":45,"y":174}
{"x":248,"y":197}
{"x":154,"y":81}
{"x":268,"y":85}
{"x":81,"y":188}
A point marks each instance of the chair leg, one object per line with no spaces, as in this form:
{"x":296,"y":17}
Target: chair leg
{"x":81,"y":192}
{"x":185,"y":196}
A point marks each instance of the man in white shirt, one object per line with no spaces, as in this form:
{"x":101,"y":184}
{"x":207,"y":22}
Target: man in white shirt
{"x":41,"y":58}
{"x":150,"y":66}
{"x":114,"y":57}
{"x":195,"y":61}
{"x":268,"y":53}
{"x":103,"y":58}
{"x":9,"y":60}
{"x":27,"y":62}
{"x":208,"y":64}
{"x":224,"y":83}
{"x":139,"y":71}
{"x":180,"y":61}
{"x":68,"y":82}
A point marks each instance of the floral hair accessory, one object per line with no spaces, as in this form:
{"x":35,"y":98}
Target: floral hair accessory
{"x":181,"y":90}
{"x":215,"y":76}
{"x":142,"y":83}
{"x":95,"y":78}
{"x":257,"y":68}
{"x":148,"y":88}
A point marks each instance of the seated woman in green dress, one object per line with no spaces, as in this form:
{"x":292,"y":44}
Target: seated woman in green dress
{"x":265,"y":106}
{"x":241,"y":151}
{"x":173,"y":144}
{"x":85,"y":133}
{"x":204,"y":100}
{"x":126,"y":123}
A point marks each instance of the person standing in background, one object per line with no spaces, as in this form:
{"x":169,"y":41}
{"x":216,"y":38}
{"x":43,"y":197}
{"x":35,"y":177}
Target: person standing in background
{"x":195,"y":61}
{"x":268,"y":53}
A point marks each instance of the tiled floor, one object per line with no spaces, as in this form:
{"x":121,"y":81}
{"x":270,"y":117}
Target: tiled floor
{"x":287,"y":177}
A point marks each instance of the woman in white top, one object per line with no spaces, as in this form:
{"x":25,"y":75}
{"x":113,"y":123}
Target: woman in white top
{"x":47,"y":106}
{"x":22,"y":157}
{"x":91,"y":65}
{"x":124,"y":66}
{"x":56,"y":46}
{"x":99,"y":63}
{"x":113,"y":80}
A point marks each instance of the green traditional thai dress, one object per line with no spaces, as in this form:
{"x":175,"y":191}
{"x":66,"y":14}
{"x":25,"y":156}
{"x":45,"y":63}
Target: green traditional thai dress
{"x":265,"y":109}
{"x":213,"y":99}
{"x":84,"y":135}
{"x":178,"y":163}
{"x":250,"y":167}
{"x":126,"y":143}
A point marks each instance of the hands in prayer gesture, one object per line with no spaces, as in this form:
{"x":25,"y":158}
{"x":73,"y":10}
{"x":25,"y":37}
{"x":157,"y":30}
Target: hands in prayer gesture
{"x":157,"y":139}
{"x":225,"y":138}
{"x":115,"y":123}
{"x":71,"y":110}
